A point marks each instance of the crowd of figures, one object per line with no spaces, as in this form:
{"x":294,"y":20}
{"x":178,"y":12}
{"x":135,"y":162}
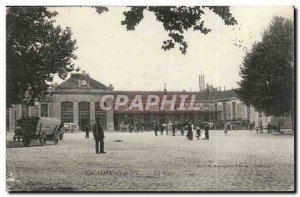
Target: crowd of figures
{"x":201,"y":130}
{"x":259,"y":128}
{"x":171,"y":128}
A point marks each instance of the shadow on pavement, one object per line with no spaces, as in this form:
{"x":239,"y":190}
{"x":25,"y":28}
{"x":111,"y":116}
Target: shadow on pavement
{"x":20,"y":144}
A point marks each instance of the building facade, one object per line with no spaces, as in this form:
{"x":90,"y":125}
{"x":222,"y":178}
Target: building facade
{"x":77,"y":100}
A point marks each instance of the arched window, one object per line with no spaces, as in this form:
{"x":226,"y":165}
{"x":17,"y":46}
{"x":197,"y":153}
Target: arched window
{"x":67,"y":112}
{"x":100,"y":114}
{"x":83,"y":114}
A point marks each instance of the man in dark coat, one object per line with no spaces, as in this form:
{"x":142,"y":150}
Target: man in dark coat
{"x":206,"y":131}
{"x":269,"y":127}
{"x":173,"y":129}
{"x":161,"y":129}
{"x":87,"y":131}
{"x":155,"y":128}
{"x":98,"y":136}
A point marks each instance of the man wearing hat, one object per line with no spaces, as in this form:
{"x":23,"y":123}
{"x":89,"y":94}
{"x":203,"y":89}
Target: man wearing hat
{"x":98,"y":136}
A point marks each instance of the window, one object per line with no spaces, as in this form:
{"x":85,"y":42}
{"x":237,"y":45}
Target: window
{"x":233,"y":110}
{"x":100,"y":114}
{"x":83,"y":114}
{"x":44,"y":110}
{"x":66,"y":112}
{"x":216,"y":107}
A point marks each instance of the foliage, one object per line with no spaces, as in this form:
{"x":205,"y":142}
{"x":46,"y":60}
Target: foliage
{"x":176,"y":20}
{"x":268,"y":70}
{"x":35,"y":52}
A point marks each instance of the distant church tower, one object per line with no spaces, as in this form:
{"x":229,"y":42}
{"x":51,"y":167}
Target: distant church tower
{"x":201,"y":83}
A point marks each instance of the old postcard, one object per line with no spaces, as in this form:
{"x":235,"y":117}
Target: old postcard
{"x":150,"y":99}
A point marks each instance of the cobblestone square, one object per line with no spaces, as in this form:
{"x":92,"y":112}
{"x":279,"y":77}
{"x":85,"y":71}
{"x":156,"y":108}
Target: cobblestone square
{"x":241,"y":161}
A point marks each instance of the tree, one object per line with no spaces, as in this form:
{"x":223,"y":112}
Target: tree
{"x":35,"y":52}
{"x":268,"y":71}
{"x":176,"y":20}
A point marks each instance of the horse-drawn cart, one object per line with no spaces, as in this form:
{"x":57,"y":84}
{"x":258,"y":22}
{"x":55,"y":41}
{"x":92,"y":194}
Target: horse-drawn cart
{"x":42,"y":129}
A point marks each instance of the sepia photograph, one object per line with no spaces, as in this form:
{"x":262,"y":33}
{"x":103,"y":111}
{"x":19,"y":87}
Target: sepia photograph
{"x":174,"y":98}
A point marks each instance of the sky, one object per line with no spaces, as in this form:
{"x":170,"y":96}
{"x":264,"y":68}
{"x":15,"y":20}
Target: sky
{"x":134,"y":60}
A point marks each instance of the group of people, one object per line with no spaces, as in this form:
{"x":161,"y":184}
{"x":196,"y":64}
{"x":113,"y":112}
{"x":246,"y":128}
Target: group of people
{"x":259,"y":127}
{"x":98,"y":134}
{"x":167,"y":127}
{"x":181,"y":127}
{"x":199,"y":134}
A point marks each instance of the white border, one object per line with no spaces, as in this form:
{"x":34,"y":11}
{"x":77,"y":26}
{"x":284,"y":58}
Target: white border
{"x":4,"y":3}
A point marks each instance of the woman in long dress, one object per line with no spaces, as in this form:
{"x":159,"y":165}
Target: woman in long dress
{"x":189,"y":134}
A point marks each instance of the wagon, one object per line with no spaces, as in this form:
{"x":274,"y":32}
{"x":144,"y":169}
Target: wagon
{"x":43,"y":129}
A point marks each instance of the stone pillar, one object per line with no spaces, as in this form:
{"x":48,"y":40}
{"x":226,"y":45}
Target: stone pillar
{"x":110,"y":116}
{"x":75,"y":113}
{"x":92,"y":112}
{"x":20,"y":111}
{"x":49,"y":109}
{"x":11,"y":118}
{"x":15,"y":113}
{"x":56,"y":109}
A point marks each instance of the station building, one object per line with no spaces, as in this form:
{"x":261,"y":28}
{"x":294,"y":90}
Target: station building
{"x":77,"y":100}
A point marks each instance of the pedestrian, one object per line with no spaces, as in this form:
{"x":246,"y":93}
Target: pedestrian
{"x":182,"y":130}
{"x":227,"y":128}
{"x":87,"y":131}
{"x":167,"y":129}
{"x":251,"y":126}
{"x":173,"y":129}
{"x":206,"y":131}
{"x":130,"y":128}
{"x":161,"y":129}
{"x":137,"y":126}
{"x":189,"y":134}
{"x":98,"y":136}
{"x":269,"y":127}
{"x":155,"y":128}
{"x":198,"y":132}
{"x":261,"y":128}
{"x":256,"y":129}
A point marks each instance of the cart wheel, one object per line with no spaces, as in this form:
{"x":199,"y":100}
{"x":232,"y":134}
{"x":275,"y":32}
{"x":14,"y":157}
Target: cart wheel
{"x":61,"y":136}
{"x":43,"y":139}
{"x":26,"y":141}
{"x":55,"y":139}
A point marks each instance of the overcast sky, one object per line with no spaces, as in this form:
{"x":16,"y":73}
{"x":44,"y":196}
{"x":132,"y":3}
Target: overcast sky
{"x":134,"y":60}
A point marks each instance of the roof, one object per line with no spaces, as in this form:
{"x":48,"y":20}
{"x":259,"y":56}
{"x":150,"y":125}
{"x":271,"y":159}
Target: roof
{"x":73,"y":82}
{"x":203,"y":96}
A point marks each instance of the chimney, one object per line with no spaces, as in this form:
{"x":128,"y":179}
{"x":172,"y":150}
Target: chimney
{"x":165,"y":90}
{"x":110,"y":87}
{"x":224,"y":88}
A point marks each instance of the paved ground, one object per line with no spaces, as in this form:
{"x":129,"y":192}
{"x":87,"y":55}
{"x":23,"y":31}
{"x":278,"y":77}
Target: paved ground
{"x":241,"y":161}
